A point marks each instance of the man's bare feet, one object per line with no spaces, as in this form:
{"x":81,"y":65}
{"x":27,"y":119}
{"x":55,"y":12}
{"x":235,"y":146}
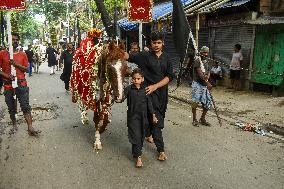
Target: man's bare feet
{"x":150,"y":139}
{"x":33,"y":132}
{"x":139,"y":163}
{"x":13,"y":130}
{"x":162,"y":156}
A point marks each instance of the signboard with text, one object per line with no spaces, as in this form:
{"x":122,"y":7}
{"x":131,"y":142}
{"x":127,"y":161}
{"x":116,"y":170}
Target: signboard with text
{"x":12,"y":5}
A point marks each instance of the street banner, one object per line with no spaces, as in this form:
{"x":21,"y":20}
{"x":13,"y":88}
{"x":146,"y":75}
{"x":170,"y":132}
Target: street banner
{"x":140,"y":11}
{"x":12,"y":4}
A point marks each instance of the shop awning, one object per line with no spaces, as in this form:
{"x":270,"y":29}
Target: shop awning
{"x":159,"y":11}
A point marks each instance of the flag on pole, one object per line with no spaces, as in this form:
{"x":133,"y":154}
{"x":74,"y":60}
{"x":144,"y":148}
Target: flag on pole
{"x":182,"y":34}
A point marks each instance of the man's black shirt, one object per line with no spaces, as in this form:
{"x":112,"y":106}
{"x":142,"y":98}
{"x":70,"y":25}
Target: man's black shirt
{"x":30,"y":55}
{"x":155,"y":69}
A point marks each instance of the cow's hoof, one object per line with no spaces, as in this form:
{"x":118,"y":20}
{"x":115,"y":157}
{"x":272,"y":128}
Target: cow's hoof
{"x":85,"y":121}
{"x":98,"y":146}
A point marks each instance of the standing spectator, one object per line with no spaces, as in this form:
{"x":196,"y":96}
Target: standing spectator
{"x":30,"y":54}
{"x":134,"y":48}
{"x":67,"y":59}
{"x":215,"y":74}
{"x":200,"y":87}
{"x":20,"y":62}
{"x":58,"y":64}
{"x":235,"y":67}
{"x":51,"y":58}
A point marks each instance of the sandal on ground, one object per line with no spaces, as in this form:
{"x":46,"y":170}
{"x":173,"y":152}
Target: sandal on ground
{"x":204,"y":122}
{"x":195,"y":123}
{"x":139,"y":163}
{"x":162,"y":156}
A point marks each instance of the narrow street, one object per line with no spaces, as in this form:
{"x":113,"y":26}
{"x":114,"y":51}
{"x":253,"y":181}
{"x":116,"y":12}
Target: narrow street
{"x":63,"y":156}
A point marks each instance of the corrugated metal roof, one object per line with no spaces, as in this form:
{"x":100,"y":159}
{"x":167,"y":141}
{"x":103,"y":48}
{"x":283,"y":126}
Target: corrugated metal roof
{"x":159,"y":10}
{"x":215,"y":5}
{"x":234,"y":3}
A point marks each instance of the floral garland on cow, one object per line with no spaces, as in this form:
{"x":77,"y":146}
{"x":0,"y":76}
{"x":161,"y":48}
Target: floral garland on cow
{"x":84,"y":78}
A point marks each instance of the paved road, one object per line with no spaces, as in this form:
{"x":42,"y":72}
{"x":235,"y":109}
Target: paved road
{"x":204,"y":157}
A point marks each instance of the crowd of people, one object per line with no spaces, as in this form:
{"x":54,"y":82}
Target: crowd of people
{"x":147,"y":94}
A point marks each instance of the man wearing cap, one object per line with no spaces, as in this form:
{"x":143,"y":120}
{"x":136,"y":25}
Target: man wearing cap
{"x":201,"y":86}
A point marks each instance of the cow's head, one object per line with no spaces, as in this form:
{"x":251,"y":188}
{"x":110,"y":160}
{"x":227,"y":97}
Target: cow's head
{"x":116,"y":69}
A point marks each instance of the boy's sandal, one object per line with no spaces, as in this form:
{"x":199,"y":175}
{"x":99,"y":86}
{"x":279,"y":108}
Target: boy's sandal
{"x":204,"y":122}
{"x":195,"y":123}
{"x":162,"y":156}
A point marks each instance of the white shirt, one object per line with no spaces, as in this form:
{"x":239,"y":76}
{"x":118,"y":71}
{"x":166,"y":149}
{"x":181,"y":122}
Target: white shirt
{"x":216,"y":70}
{"x":236,"y":61}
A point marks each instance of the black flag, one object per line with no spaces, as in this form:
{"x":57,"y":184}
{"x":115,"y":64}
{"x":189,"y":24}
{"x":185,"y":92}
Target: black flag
{"x":181,"y":31}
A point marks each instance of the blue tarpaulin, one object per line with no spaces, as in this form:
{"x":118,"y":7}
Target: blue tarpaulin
{"x":159,"y":10}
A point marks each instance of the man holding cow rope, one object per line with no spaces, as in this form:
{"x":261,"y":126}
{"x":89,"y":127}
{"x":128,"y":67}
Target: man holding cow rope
{"x":158,"y":72}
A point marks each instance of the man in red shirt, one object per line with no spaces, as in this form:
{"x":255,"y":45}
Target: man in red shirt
{"x":20,"y":62}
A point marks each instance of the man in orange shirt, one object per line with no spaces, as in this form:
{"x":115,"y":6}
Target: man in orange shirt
{"x":20,"y":62}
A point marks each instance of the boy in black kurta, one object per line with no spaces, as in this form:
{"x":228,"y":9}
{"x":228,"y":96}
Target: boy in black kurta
{"x":139,"y":107}
{"x":158,"y":71}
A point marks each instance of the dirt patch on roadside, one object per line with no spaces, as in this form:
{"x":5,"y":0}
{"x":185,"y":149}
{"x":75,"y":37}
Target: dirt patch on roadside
{"x":281,"y":103}
{"x":40,"y":112}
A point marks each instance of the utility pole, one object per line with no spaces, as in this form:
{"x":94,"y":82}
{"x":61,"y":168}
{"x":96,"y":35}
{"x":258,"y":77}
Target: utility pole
{"x":68,"y":22}
{"x":140,"y":35}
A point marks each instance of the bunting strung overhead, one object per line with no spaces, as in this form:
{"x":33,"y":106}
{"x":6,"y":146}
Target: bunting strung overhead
{"x":12,"y":5}
{"x":140,"y":11}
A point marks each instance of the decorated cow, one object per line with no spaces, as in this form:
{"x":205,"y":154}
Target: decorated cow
{"x":97,"y":79}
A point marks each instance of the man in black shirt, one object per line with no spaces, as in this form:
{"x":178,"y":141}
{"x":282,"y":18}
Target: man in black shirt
{"x":51,"y":58}
{"x":158,"y":72}
{"x":30,"y":55}
{"x":67,"y":59}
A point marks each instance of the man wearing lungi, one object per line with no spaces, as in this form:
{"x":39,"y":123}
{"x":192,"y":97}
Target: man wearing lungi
{"x":201,"y":87}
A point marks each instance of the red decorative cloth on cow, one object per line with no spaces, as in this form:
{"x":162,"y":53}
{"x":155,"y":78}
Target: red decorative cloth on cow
{"x":140,"y":11}
{"x":12,"y":4}
{"x":83,"y":82}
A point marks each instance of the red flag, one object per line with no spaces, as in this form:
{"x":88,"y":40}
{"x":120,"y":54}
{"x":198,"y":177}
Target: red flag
{"x":140,"y":11}
{"x":12,"y":4}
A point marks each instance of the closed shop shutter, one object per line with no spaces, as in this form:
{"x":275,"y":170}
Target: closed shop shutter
{"x":203,"y":37}
{"x":225,"y":38}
